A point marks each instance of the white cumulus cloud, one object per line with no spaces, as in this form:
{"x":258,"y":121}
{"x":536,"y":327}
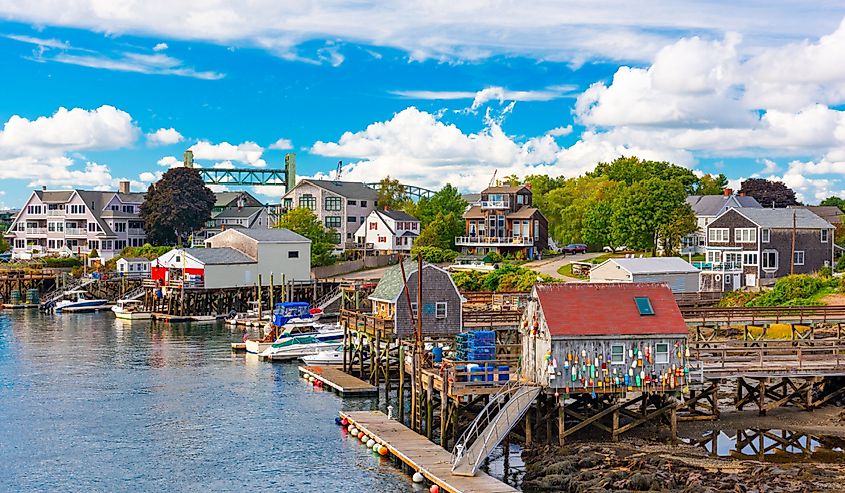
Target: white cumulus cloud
{"x":247,"y":152}
{"x":281,"y":144}
{"x":164,"y":136}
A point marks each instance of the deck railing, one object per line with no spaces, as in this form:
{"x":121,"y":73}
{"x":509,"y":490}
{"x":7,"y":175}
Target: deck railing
{"x":494,"y":241}
{"x":770,"y":357}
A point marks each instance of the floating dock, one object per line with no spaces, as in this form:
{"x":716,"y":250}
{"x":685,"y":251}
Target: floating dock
{"x":343,"y":383}
{"x":20,"y":305}
{"x":431,"y":460}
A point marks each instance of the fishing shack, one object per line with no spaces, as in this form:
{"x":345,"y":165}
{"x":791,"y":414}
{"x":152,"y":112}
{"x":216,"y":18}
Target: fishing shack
{"x":604,"y":338}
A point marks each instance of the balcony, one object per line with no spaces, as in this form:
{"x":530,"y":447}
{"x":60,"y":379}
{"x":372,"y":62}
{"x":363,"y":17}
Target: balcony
{"x":76,"y":232}
{"x":36,"y":231}
{"x":136,"y":232}
{"x":495,"y":204}
{"x":515,"y":241}
{"x":718,"y":266}
{"x":56,"y":212}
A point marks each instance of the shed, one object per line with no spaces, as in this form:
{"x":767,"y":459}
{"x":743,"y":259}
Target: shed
{"x":442,"y":313}
{"x":680,"y":275}
{"x":604,"y":337}
{"x":205,"y":267}
{"x":133,"y":266}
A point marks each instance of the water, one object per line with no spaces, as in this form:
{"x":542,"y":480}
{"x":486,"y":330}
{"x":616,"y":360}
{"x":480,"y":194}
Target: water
{"x":89,"y":403}
{"x":772,"y":445}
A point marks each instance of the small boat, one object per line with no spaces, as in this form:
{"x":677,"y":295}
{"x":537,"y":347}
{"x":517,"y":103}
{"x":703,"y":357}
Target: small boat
{"x":75,"y":299}
{"x":332,"y":356}
{"x":323,"y":333}
{"x":291,"y":313}
{"x":295,"y":347}
{"x":131,"y":310}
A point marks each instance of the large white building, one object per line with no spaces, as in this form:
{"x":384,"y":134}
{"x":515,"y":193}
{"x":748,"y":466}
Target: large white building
{"x":388,"y":231}
{"x":236,"y":257}
{"x":75,"y":222}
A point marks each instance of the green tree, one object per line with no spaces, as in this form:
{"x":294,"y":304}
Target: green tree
{"x":175,"y":205}
{"x":597,"y":224}
{"x":540,"y":186}
{"x":711,"y":184}
{"x":391,"y":194}
{"x":441,"y":231}
{"x":4,"y":245}
{"x":643,"y":210}
{"x":633,"y":169}
{"x":447,"y":200}
{"x":769,"y":193}
{"x":566,"y":205}
{"x":303,"y":221}
{"x":834,"y":201}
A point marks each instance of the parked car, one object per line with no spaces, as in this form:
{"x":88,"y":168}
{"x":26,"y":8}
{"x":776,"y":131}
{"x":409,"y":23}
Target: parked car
{"x":610,"y":249}
{"x":575,"y":248}
{"x":5,"y":257}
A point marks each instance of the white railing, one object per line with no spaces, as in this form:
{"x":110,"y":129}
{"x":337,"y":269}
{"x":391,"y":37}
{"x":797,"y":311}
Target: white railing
{"x":76,"y":232}
{"x":55,"y":212}
{"x":494,"y":204}
{"x":36,"y":231}
{"x":136,"y":232}
{"x":494,"y":241}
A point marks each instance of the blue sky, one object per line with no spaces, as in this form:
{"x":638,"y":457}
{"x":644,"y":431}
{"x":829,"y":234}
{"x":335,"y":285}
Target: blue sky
{"x":428,"y":92}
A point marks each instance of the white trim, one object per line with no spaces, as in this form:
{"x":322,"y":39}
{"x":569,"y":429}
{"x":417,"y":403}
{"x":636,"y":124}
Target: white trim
{"x":725,"y":236}
{"x":765,"y":235}
{"x":825,"y":235}
{"x":623,"y":354}
{"x":437,"y":306}
{"x":739,"y":233}
{"x":796,"y":255}
{"x":763,"y":256}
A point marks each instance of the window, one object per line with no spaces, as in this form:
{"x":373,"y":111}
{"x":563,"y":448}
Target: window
{"x":825,"y":235}
{"x":332,"y":221}
{"x":352,"y":202}
{"x":746,"y":235}
{"x":336,"y":238}
{"x":769,"y":260}
{"x":334,"y":203}
{"x":714,"y":256}
{"x":440,"y":310}
{"x":363,"y":203}
{"x":644,"y":305}
{"x":115,"y":208}
{"x":293,"y":254}
{"x":308,"y":201}
{"x":765,"y":235}
{"x":93,"y":227}
{"x":129,"y":209}
{"x":414,"y":309}
{"x":661,"y":353}
{"x":382,"y":239}
{"x":373,"y":226}
{"x":350,"y":219}
{"x":798,"y":257}
{"x":733,"y":258}
{"x":20,"y":244}
{"x":749,"y":258}
{"x":119,"y":227}
{"x":94,"y":244}
{"x":617,"y":354}
{"x":719,"y":235}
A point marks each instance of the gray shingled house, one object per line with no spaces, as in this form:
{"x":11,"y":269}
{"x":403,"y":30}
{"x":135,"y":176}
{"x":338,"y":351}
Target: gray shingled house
{"x":442,"y":303}
{"x":706,"y":208}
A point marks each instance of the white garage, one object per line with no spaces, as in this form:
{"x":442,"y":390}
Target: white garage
{"x":679,"y":274}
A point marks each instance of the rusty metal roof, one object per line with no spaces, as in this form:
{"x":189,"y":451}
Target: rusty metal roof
{"x":609,"y":309}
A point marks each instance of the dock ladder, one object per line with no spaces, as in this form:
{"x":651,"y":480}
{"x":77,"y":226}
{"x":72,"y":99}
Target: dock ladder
{"x":498,"y":417}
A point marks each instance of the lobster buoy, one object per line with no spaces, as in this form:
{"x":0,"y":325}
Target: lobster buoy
{"x":434,"y":489}
{"x":382,"y":450}
{"x":370,"y":443}
{"x":353,"y":430}
{"x":376,"y":447}
{"x":344,"y":421}
{"x":417,"y":477}
{"x":361,"y":434}
{"x":337,"y":421}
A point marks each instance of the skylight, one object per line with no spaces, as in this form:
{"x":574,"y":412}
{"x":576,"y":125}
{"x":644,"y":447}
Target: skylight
{"x":644,"y":305}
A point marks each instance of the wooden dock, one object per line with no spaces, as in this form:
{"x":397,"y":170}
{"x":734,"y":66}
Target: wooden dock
{"x":343,"y":383}
{"x":15,"y":306}
{"x":419,"y":453}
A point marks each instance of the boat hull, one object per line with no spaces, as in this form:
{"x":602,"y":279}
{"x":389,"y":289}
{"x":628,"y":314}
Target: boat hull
{"x":133,"y":315}
{"x":80,"y":304}
{"x":257,"y":347}
{"x":296,"y":352}
{"x":324,"y":358}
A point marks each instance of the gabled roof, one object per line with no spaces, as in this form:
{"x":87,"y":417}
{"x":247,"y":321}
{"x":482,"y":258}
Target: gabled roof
{"x":608,"y":309}
{"x":654,"y":265}
{"x":54,"y":196}
{"x":505,"y":189}
{"x":134,"y":259}
{"x":397,"y":215}
{"x":524,"y":212}
{"x":783,"y":218}
{"x":348,"y":189}
{"x":713,"y":205}
{"x":272,"y":235}
{"x":219,"y":256}
{"x":829,"y":213}
{"x":131,"y":197}
{"x":223,"y":199}
{"x":235,"y":213}
{"x":391,"y":284}
{"x":474,"y":212}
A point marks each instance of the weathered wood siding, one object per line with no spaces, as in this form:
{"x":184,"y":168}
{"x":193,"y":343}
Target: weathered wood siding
{"x":437,"y":287}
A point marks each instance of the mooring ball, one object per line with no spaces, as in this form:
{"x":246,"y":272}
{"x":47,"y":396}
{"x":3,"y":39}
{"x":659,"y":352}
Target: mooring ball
{"x":434,"y":489}
{"x":417,"y":477}
{"x":382,"y":450}
{"x":353,"y":430}
{"x":344,"y":421}
{"x":370,"y":443}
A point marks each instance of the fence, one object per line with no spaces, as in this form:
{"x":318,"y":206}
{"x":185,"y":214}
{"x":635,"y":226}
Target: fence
{"x":341,"y":268}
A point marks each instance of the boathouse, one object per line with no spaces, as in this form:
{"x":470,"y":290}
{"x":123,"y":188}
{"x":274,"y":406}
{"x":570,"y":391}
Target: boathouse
{"x":442,"y":304}
{"x":135,"y":267}
{"x":604,"y":337}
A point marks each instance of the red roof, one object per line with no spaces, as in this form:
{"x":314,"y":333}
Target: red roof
{"x":581,"y":309}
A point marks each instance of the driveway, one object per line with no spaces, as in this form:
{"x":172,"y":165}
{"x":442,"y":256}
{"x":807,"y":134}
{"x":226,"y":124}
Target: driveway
{"x":550,"y":266}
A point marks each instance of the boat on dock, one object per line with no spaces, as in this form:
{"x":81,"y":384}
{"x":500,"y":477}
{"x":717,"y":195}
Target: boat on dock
{"x":295,"y":347}
{"x":131,"y":310}
{"x":76,"y":300}
{"x":332,"y":356}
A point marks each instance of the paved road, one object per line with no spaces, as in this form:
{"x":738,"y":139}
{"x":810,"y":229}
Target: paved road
{"x":550,"y":266}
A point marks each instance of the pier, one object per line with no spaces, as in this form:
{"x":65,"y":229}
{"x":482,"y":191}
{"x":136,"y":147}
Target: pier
{"x":418,"y":453}
{"x":344,"y":384}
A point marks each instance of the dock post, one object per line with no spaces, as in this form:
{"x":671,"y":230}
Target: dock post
{"x":259,"y":298}
{"x":761,"y":403}
{"x":444,"y":405}
{"x":429,"y":407}
{"x":673,"y":419}
{"x":272,"y":297}
{"x":401,"y":383}
{"x":529,"y":431}
{"x":561,"y":421}
{"x":377,"y":360}
{"x":387,"y":370}
{"x":615,"y":430}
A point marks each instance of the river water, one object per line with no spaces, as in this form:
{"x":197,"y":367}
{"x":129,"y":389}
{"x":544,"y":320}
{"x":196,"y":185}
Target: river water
{"x":89,"y":403}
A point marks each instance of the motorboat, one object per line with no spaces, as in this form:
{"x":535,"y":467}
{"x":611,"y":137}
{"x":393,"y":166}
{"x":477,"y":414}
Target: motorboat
{"x":290,"y":313}
{"x":131,"y":310}
{"x":332,"y":356}
{"x":323,"y":333}
{"x":76,"y":299}
{"x":296,"y":347}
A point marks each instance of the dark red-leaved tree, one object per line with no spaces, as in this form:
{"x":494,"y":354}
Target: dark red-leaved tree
{"x":175,"y":205}
{"x":769,"y":192}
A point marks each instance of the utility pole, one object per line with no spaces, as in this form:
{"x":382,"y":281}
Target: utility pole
{"x":794,"y":228}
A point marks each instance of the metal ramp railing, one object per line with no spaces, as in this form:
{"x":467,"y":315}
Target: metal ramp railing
{"x":134,"y":294}
{"x":327,"y":299}
{"x":49,"y":300}
{"x":498,"y":417}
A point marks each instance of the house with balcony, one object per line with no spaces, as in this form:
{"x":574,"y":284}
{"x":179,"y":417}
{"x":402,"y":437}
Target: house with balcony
{"x":342,"y":206}
{"x":504,"y":221}
{"x":75,"y":222}
{"x":237,"y":209}
{"x":752,"y":247}
{"x":387,"y":231}
{"x":706,"y":208}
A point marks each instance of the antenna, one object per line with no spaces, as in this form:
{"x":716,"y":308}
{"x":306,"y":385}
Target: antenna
{"x":339,"y":171}
{"x":494,"y":177}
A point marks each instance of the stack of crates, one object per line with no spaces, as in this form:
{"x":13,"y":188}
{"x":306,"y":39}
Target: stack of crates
{"x":476,"y":345}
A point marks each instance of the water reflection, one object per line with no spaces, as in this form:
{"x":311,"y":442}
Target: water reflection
{"x":773,"y":445}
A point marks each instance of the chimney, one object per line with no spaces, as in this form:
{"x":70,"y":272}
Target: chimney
{"x":43,"y":187}
{"x":189,"y":159}
{"x":741,"y":193}
{"x":123,"y":186}
{"x":728,"y":192}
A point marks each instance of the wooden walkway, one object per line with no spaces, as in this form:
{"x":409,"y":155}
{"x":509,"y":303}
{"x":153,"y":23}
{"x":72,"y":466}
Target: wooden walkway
{"x":770,"y":358}
{"x":343,"y":383}
{"x":422,"y":455}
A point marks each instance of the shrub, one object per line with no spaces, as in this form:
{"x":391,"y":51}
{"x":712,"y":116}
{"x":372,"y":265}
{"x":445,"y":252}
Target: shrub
{"x":61,"y":262}
{"x":791,"y":291}
{"x":434,"y":255}
{"x":506,"y":278}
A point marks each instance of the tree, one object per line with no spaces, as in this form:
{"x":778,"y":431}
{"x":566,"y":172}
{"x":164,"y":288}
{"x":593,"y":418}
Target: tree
{"x":769,"y":193}
{"x":4,"y":245}
{"x":711,"y":185}
{"x":633,"y":169}
{"x":175,"y":205}
{"x":303,"y":221}
{"x":834,"y":201}
{"x":643,"y":211}
{"x":441,"y":231}
{"x":391,"y":194}
{"x":447,"y":200}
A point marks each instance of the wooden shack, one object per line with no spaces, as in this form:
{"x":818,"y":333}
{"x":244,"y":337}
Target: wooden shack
{"x":604,"y":337}
{"x":442,"y":304}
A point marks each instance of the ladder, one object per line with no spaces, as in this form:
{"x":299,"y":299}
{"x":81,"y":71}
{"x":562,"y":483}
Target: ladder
{"x":498,"y":417}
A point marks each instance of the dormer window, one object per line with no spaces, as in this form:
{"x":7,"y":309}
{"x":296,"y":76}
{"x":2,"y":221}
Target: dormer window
{"x":644,"y":306}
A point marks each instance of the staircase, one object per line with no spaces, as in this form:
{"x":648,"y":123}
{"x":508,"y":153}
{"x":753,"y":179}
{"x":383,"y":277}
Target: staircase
{"x":49,"y":300}
{"x":134,"y":294}
{"x":502,"y":413}
{"x":328,"y":299}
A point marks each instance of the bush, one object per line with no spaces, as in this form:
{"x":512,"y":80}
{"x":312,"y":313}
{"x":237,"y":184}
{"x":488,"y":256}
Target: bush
{"x":434,"y":255}
{"x":507,"y":278}
{"x":792,"y":291}
{"x":840,"y":264}
{"x":493,"y":258}
{"x":61,"y":262}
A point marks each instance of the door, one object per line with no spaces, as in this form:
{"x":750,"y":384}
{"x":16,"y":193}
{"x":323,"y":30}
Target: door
{"x":737,"y":281}
{"x":750,"y":279}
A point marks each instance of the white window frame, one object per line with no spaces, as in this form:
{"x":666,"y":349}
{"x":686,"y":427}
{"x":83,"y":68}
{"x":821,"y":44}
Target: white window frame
{"x":798,"y":257}
{"x":661,"y":357}
{"x":438,"y":306}
{"x":763,"y":257}
{"x":765,"y":235}
{"x":825,"y":235}
{"x":745,"y":235}
{"x":714,"y":256}
{"x":747,"y":256}
{"x":613,"y":355}
{"x":724,"y":235}
{"x":414,"y":309}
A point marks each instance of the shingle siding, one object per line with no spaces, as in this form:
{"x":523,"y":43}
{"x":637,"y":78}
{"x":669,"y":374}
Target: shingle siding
{"x":437,"y":287}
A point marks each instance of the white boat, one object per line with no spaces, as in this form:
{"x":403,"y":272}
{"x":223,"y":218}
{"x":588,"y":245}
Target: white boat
{"x":471,"y":265}
{"x":332,"y":356}
{"x":131,"y":310}
{"x":76,"y":299}
{"x":296,"y":347}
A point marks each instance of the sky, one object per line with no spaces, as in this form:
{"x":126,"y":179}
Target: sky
{"x":429,"y":92}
